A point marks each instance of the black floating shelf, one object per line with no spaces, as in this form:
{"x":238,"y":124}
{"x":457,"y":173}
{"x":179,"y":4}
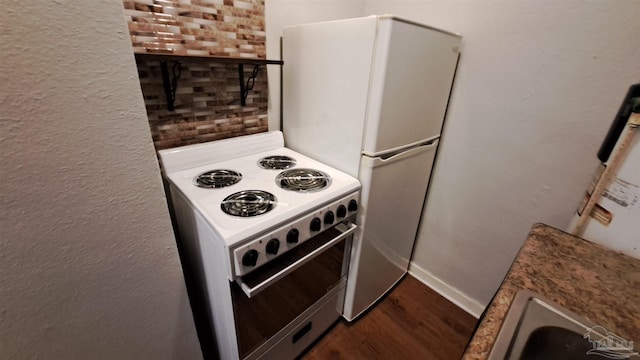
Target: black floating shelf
{"x":170,"y":85}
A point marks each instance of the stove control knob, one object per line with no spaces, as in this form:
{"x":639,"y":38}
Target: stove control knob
{"x":315,"y":224}
{"x":292,"y":236}
{"x":250,"y":258}
{"x":272,"y":246}
{"x":341,"y":211}
{"x":353,"y":205}
{"x":329,"y":218}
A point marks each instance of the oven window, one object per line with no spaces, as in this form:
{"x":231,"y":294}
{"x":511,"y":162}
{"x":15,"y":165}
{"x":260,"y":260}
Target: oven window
{"x":260,"y":317}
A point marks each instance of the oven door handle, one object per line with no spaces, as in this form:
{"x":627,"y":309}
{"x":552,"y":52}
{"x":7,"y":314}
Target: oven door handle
{"x":345,"y":229}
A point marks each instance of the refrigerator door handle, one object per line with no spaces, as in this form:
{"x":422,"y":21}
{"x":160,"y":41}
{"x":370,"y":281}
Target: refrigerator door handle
{"x":397,"y":156}
{"x":405,"y":147}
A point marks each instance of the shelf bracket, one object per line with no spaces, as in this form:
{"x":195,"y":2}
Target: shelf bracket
{"x":170,"y":78}
{"x":245,"y":88}
{"x":170,"y":85}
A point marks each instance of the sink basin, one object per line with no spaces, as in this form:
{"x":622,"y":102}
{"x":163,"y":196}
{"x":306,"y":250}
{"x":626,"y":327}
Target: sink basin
{"x":551,"y":342}
{"x":537,"y":328}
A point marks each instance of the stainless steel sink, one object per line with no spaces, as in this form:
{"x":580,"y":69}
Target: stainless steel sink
{"x":537,"y":328}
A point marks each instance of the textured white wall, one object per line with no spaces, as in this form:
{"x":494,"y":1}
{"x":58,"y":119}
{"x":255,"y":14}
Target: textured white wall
{"x":88,"y":262}
{"x":537,"y":88}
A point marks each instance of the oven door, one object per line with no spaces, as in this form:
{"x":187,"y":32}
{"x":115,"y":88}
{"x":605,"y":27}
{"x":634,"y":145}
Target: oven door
{"x":269,"y":299}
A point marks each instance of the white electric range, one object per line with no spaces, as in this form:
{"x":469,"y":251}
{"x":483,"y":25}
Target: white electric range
{"x":262,"y":227}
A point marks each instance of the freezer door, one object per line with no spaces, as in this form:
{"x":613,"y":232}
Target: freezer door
{"x":392,"y":195}
{"x":413,"y":72}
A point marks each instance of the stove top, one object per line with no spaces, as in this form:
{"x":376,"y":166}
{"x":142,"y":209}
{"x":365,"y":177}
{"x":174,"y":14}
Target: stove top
{"x":254,"y":199}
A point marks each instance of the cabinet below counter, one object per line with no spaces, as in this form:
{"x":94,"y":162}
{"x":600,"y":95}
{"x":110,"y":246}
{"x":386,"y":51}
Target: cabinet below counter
{"x":590,"y":280}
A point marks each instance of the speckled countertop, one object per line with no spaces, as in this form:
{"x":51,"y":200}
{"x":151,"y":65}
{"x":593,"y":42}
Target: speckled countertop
{"x":588,"y":279}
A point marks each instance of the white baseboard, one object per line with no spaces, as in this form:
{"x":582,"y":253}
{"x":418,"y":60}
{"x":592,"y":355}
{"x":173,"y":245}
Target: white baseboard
{"x":471,"y":306}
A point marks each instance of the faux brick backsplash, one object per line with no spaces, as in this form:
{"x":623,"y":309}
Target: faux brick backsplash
{"x":207,"y":105}
{"x":227,"y":28}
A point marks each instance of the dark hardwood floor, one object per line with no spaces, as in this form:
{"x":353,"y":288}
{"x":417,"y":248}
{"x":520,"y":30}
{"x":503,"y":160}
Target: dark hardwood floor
{"x":411,"y":322}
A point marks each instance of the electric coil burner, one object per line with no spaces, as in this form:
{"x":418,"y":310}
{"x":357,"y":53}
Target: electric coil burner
{"x":217,"y":179}
{"x":248,"y":203}
{"x":277,"y":162}
{"x":269,"y":251}
{"x":303,"y":180}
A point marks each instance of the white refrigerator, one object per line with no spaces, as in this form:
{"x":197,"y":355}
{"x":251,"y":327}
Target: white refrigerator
{"x":368,"y":96}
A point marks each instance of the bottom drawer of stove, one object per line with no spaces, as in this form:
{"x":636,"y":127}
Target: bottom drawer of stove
{"x":304,"y":330}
